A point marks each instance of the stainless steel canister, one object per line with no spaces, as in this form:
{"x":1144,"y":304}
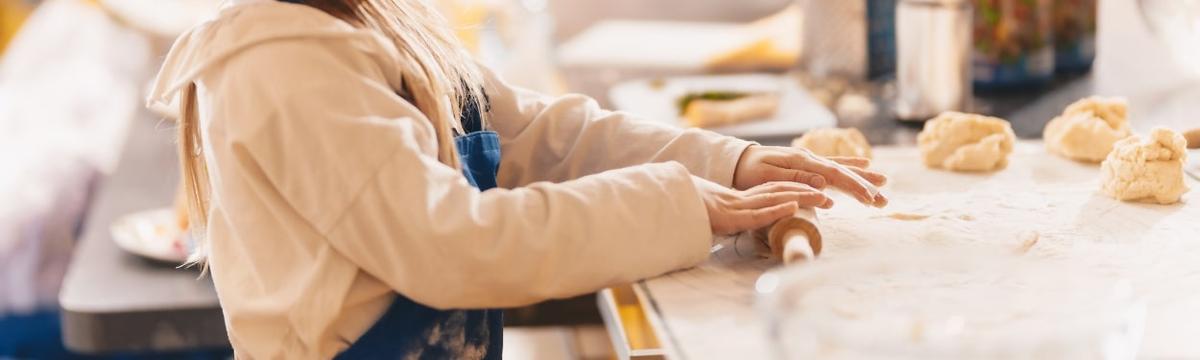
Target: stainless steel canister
{"x":847,"y":39}
{"x":933,"y":57}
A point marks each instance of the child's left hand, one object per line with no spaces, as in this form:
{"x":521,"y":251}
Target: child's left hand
{"x":760,"y":164}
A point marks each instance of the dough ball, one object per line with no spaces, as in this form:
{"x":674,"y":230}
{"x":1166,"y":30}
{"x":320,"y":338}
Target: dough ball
{"x":1149,"y":170}
{"x":834,"y":142}
{"x":1088,"y":128}
{"x":1193,"y":138}
{"x":966,"y":142}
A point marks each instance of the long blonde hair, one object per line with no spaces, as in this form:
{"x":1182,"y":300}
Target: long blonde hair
{"x":442,"y":82}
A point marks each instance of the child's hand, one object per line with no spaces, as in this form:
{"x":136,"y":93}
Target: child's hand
{"x":762,"y":164}
{"x":731,"y":211}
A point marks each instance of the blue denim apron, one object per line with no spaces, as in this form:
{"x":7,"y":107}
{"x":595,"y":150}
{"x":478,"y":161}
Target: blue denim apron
{"x":408,"y":330}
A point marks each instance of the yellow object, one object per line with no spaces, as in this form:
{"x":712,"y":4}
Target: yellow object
{"x":640,"y":338}
{"x":775,"y":43}
{"x":466,"y":17}
{"x":12,"y":16}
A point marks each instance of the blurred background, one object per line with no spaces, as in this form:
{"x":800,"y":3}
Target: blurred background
{"x":87,"y":243}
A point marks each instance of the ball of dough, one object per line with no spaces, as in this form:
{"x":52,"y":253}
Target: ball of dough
{"x":1149,"y":170}
{"x":834,"y":142}
{"x":1193,"y":138}
{"x":966,"y":142}
{"x":1088,"y":128}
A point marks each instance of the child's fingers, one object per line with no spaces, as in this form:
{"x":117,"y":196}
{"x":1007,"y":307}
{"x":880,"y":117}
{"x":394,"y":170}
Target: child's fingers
{"x":780,"y":186}
{"x":800,"y":198}
{"x":828,"y":204}
{"x":846,"y":180}
{"x":812,"y":179}
{"x":875,"y":178}
{"x":851,"y":161}
{"x":763,"y":217}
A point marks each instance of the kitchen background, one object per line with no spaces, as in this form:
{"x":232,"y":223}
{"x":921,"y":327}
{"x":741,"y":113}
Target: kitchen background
{"x":78,"y":151}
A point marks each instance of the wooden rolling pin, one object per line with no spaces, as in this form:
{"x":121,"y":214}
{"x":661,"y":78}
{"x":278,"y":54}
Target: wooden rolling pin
{"x":794,"y":239}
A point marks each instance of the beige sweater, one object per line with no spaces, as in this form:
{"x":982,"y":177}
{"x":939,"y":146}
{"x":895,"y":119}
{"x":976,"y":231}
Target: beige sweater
{"x":328,"y":197}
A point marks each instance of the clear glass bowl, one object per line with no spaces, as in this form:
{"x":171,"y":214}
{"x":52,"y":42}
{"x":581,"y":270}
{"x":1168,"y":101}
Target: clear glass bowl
{"x":948,"y":304}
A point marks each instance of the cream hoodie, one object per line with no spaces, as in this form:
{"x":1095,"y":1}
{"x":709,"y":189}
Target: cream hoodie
{"x":328,"y":197}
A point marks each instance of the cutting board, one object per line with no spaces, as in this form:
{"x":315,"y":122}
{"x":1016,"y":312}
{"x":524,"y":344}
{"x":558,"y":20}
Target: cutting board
{"x":707,"y":312}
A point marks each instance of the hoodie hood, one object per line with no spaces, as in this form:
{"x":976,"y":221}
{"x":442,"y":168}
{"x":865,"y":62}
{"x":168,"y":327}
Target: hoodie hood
{"x":238,"y":26}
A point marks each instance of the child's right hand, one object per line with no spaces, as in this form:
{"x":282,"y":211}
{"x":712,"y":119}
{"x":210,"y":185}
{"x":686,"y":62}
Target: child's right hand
{"x":731,"y":211}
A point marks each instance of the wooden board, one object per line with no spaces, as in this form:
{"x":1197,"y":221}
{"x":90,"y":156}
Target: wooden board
{"x":708,"y":311}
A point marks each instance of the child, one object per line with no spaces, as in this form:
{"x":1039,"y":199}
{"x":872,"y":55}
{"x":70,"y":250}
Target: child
{"x":367,"y":191}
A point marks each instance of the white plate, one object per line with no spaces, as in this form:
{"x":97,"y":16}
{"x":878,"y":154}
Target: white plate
{"x":153,"y":234}
{"x":798,"y":112}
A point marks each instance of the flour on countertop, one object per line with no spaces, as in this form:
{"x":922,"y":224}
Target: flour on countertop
{"x":1043,"y":207}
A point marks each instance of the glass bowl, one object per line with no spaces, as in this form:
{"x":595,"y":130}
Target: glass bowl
{"x":941,"y":303}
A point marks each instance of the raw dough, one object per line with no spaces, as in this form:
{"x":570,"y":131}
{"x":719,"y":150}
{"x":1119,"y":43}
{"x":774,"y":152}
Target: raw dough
{"x":1149,"y":170}
{"x":966,"y":142}
{"x":904,"y":216}
{"x":834,"y":142}
{"x":1193,"y":138}
{"x":1028,"y":240}
{"x":1088,"y":128}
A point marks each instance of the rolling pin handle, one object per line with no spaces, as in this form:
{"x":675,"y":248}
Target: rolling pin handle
{"x":796,"y":247}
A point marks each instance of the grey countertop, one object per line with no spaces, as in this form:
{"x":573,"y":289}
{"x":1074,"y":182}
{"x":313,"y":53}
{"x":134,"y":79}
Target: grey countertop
{"x":113,"y":301}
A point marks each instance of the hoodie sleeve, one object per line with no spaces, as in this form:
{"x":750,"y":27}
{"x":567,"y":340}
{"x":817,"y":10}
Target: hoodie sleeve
{"x":548,"y":138}
{"x":322,"y":125}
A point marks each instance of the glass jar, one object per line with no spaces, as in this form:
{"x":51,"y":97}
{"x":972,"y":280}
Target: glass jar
{"x":1074,"y":35}
{"x":1013,"y":43}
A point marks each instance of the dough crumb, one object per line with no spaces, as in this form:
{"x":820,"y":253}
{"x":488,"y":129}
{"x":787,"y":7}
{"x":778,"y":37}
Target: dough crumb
{"x":834,"y":142}
{"x":1146,"y":170}
{"x":903,"y":216}
{"x":1028,"y":240}
{"x":1088,"y":128}
{"x":966,"y":142}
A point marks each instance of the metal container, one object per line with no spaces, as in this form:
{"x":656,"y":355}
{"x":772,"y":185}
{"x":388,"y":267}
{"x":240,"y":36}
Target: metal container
{"x":933,"y":62}
{"x":847,"y":39}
